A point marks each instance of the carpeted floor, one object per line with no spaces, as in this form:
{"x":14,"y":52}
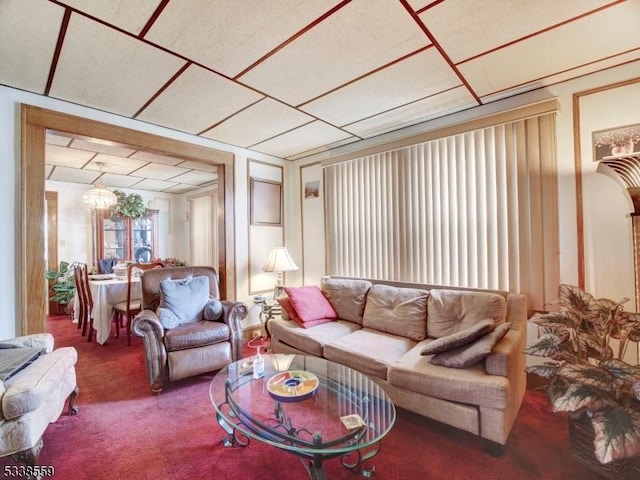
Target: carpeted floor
{"x":123,"y":431}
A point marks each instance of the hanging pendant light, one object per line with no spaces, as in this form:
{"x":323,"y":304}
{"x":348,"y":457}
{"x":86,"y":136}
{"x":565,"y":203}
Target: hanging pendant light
{"x":99,"y":197}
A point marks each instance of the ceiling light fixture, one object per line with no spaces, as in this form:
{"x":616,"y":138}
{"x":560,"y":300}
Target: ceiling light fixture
{"x":99,"y":197}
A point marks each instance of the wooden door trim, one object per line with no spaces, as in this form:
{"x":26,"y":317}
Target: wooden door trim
{"x":35,"y":121}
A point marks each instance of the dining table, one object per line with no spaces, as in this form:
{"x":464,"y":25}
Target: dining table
{"x":106,"y":292}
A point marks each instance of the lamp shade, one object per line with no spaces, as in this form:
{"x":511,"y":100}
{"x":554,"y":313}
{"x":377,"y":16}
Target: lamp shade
{"x":279,"y":261}
{"x":99,"y":197}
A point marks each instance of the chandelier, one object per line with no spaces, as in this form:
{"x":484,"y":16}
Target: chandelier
{"x":99,"y":197}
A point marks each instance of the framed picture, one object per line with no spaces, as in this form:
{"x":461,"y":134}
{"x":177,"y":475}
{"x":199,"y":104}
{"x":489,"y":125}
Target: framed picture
{"x":617,"y":141}
{"x":265,"y":202}
{"x":312,"y":189}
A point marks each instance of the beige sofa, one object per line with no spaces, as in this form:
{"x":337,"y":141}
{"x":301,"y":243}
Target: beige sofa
{"x":382,"y":328}
{"x":34,"y":396}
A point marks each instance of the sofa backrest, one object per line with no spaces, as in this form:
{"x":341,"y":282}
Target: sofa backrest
{"x":516,"y":303}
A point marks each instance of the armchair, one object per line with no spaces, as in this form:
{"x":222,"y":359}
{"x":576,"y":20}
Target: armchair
{"x":177,"y":347}
{"x":33,"y":393}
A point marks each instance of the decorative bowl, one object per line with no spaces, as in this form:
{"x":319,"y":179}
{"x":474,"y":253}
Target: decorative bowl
{"x":292,"y":385}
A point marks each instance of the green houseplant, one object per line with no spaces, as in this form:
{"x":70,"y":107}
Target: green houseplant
{"x":131,"y":206}
{"x":64,"y":288}
{"x":588,"y":378}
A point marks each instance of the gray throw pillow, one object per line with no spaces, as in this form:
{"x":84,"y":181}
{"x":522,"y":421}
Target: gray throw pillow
{"x":458,"y":339}
{"x":185,"y":298}
{"x":468,"y":355}
{"x":212,"y":310}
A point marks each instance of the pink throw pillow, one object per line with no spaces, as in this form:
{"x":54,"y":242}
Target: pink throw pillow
{"x":285,"y":303}
{"x":310,"y":304}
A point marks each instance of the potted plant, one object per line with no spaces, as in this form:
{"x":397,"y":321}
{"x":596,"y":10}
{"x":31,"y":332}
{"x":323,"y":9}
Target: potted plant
{"x":131,"y":206}
{"x":589,"y":380}
{"x":64,"y":288}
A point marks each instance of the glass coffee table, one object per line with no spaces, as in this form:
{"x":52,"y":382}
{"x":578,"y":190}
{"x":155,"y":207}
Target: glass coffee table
{"x":308,"y":406}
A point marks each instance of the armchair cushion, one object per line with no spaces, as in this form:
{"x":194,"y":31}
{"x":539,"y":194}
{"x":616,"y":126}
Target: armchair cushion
{"x":13,"y":359}
{"x":184,"y":298}
{"x":196,"y":334}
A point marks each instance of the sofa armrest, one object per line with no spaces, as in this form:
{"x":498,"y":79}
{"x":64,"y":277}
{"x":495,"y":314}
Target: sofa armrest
{"x":38,"y":340}
{"x":507,"y":357}
{"x":232,"y":314}
{"x":148,"y":326}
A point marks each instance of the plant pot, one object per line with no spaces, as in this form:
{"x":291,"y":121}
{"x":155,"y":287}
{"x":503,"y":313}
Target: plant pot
{"x":581,"y":437}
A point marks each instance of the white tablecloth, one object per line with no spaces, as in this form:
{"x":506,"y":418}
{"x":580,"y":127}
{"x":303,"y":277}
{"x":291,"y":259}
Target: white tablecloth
{"x":106,"y":293}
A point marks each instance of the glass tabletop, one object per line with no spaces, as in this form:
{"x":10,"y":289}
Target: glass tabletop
{"x":303,"y":404}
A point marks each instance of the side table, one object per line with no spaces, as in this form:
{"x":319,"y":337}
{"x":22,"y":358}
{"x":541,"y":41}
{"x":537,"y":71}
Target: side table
{"x":268,"y":311}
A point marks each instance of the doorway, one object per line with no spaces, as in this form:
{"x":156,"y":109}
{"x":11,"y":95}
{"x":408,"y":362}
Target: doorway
{"x":35,"y":122}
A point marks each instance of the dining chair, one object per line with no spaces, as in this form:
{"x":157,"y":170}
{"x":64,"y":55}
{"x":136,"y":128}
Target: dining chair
{"x":131,"y":306}
{"x":85,"y":317}
{"x":77,"y":280}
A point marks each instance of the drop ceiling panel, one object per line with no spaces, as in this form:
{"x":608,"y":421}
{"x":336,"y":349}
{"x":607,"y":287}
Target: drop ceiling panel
{"x":391,"y":87}
{"x":100,"y":67}
{"x":96,"y":145}
{"x":230,"y":36}
{"x":125,"y":14}
{"x":566,"y":75}
{"x":178,"y":189}
{"x":306,"y":137}
{"x":154,"y":185}
{"x":195,"y":178}
{"x":28,"y":35}
{"x":466,"y":28}
{"x":158,"y":171}
{"x":217,"y":97}
{"x":67,"y":157}
{"x":113,"y":164}
{"x":203,"y":167}
{"x":354,"y":41}
{"x":259,"y":122}
{"x":112,"y":181}
{"x":438,"y":105}
{"x":556,"y":50}
{"x":53,"y":139}
{"x":66,"y":174}
{"x":154,"y":157}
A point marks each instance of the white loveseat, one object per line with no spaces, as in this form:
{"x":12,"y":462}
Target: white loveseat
{"x":382,"y":328}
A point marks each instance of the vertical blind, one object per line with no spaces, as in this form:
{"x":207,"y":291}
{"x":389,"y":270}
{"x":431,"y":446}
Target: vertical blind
{"x":476,"y":209}
{"x":203,"y":230}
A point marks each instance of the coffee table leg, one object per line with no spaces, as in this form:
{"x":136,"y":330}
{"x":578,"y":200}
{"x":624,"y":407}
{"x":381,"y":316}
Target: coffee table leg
{"x":361,"y":456}
{"x":232,"y":439}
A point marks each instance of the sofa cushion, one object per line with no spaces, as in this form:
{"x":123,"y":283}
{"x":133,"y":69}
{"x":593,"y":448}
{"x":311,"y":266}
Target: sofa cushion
{"x":467,"y":355}
{"x":451,"y":311}
{"x":399,"y":311}
{"x":310,"y":304}
{"x":196,"y":334}
{"x":368,"y":351}
{"x":458,"y":339}
{"x":472,"y":385}
{"x":185,"y":298}
{"x":310,"y":340}
{"x":27,"y":390}
{"x":348,"y":297}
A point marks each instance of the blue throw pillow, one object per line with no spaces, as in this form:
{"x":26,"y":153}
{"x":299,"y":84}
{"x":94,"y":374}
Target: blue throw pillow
{"x":184,"y":298}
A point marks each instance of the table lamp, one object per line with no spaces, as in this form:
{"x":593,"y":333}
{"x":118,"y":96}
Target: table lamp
{"x":279,"y":261}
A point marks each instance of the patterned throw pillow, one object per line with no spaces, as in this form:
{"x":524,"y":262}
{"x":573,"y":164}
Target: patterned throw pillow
{"x":468,"y":355}
{"x":458,"y":339}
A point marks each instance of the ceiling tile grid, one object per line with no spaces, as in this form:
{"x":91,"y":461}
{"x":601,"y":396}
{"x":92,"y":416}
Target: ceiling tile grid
{"x":102,"y":68}
{"x":292,"y":77}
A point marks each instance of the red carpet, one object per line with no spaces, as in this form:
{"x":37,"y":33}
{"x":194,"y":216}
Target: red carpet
{"x":123,"y":431}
